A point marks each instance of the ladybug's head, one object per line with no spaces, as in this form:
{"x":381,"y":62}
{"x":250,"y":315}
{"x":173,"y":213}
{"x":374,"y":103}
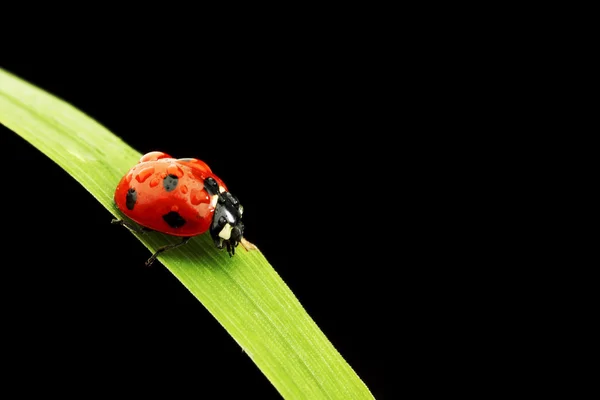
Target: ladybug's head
{"x":227,"y":227}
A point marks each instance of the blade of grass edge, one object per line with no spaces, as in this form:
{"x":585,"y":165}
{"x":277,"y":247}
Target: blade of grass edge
{"x":245,"y":294}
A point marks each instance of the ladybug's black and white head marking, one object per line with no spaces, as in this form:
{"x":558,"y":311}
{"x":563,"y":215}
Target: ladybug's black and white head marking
{"x":227,"y":227}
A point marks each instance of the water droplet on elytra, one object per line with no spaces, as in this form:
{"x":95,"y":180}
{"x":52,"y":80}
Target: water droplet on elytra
{"x":174,"y":169}
{"x":198,"y":196}
{"x":154,"y":182}
{"x":144,"y":174}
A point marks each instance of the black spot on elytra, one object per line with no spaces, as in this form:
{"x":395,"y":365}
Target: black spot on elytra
{"x":211,"y":186}
{"x":131,"y":198}
{"x":170,"y":182}
{"x":174,"y":219}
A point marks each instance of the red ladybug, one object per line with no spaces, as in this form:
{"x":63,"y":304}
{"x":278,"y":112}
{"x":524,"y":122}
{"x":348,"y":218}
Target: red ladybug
{"x":180,"y":197}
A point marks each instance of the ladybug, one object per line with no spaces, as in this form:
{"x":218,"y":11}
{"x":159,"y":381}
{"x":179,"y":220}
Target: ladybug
{"x":180,"y":197}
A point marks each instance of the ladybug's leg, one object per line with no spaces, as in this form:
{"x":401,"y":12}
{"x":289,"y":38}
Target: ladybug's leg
{"x":165,"y":248}
{"x":132,"y":227}
{"x":230,"y":248}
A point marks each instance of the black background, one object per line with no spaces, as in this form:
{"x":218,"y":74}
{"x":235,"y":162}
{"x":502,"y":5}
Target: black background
{"x":376,"y":155}
{"x":302,"y":143}
{"x":360,"y":162}
{"x":374,"y":151}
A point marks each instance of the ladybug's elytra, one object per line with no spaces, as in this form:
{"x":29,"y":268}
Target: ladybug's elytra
{"x":180,"y":197}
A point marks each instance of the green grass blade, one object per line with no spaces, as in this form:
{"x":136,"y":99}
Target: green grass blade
{"x":244,"y":293}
